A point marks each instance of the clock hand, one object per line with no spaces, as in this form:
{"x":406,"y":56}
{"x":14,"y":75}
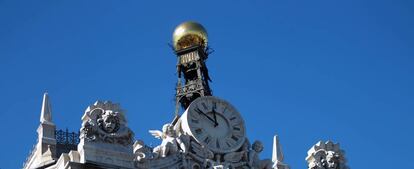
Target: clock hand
{"x":208,"y":117}
{"x":215,"y":117}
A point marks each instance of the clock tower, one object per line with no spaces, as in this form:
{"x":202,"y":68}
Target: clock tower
{"x":191,"y":47}
{"x":206,"y":133}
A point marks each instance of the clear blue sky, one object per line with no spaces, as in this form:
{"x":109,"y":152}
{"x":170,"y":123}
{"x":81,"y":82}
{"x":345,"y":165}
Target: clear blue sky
{"x":305,"y":70}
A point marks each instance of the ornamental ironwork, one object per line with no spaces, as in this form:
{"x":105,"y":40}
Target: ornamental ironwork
{"x":66,"y":137}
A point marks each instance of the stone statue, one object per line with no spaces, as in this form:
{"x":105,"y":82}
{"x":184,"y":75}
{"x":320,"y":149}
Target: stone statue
{"x":171,"y":143}
{"x":254,"y":160}
{"x":326,"y":156}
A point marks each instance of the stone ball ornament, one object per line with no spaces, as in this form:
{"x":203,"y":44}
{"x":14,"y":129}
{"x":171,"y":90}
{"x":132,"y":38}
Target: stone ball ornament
{"x":189,"y":34}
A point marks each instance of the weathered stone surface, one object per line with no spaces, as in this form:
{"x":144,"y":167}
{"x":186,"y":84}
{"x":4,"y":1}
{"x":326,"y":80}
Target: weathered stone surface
{"x":105,"y":137}
{"x":326,"y":155}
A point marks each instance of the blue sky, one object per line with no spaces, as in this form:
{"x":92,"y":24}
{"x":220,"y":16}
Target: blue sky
{"x":305,"y":70}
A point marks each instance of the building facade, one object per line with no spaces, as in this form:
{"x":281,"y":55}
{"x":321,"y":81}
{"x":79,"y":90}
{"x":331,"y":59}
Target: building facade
{"x":207,"y":131}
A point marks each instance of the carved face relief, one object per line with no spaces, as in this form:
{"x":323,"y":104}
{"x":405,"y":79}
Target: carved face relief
{"x":257,"y":146}
{"x":331,"y":160}
{"x":168,"y":129}
{"x":104,"y":122}
{"x":326,"y":156}
{"x":109,"y":122}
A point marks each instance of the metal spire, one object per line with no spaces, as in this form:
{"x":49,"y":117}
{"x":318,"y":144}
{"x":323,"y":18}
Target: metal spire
{"x":46,"y":113}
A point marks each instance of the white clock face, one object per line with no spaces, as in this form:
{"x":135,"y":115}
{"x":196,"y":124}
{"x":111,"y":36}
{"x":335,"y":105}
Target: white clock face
{"x":215,"y":124}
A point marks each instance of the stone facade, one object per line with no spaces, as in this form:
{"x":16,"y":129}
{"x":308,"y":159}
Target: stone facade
{"x":105,"y":141}
{"x":209,"y":134}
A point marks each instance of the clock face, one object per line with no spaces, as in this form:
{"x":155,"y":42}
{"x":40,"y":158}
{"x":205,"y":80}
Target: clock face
{"x":215,"y":124}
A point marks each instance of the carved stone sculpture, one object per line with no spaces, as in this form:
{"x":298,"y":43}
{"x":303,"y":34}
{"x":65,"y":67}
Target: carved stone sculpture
{"x":104,"y":122}
{"x":105,"y":137}
{"x":142,"y":152}
{"x":178,"y":150}
{"x":169,"y":144}
{"x":254,"y":160}
{"x":200,"y":153}
{"x":326,"y":156}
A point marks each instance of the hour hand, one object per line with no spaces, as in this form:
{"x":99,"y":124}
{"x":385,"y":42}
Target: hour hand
{"x":208,"y":117}
{"x":215,"y":117}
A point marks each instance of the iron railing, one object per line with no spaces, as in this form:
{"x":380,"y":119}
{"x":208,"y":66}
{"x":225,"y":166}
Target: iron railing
{"x":66,"y":137}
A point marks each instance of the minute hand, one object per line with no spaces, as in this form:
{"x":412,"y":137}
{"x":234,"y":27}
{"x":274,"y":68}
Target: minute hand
{"x":208,"y":117}
{"x":215,"y":117}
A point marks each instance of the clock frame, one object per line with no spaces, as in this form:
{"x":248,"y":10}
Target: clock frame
{"x":215,"y":124}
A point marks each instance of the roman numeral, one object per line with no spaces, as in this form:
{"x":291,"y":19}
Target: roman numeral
{"x":198,"y":131}
{"x":217,"y":143}
{"x":207,"y":140}
{"x":228,"y":144}
{"x":234,"y":138}
{"x":224,"y":110}
{"x":236,"y":128}
{"x":233,"y":118}
{"x":194,"y":120}
{"x":204,"y":106}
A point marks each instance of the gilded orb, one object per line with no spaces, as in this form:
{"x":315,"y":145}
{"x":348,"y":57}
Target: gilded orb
{"x":189,"y":34}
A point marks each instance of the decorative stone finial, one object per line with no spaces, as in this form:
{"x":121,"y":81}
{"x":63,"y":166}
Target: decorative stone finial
{"x":277,"y":156}
{"x":326,"y":155}
{"x":46,"y":113}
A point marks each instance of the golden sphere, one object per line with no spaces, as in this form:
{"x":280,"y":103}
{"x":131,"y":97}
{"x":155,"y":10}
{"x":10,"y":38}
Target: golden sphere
{"x":189,"y":34}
